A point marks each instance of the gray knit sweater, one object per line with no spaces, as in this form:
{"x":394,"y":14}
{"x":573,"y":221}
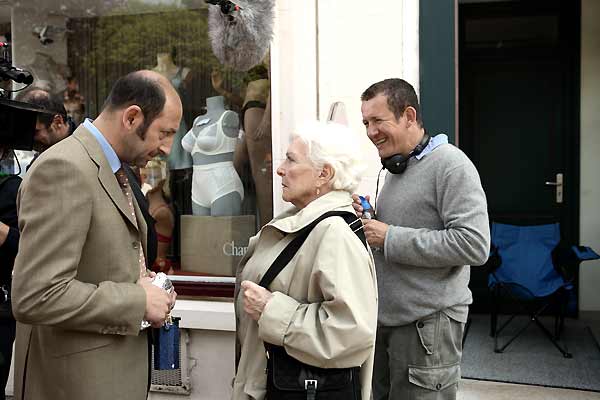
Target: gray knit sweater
{"x":438,"y":219}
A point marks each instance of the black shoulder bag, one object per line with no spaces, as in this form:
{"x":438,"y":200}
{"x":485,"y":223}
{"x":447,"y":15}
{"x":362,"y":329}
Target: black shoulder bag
{"x":290,"y":379}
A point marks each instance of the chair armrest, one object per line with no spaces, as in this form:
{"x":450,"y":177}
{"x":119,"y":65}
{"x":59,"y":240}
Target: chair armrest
{"x":494,"y":260}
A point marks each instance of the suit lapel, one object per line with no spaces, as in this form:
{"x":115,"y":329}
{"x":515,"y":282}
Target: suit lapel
{"x":106,"y":177}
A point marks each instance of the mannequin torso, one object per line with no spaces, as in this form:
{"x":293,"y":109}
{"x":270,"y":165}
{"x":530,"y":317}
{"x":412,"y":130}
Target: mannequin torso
{"x":257,"y":90}
{"x":167,"y":68}
{"x":254,"y":149}
{"x":216,"y":188}
{"x":178,"y":159}
{"x":215,"y":133}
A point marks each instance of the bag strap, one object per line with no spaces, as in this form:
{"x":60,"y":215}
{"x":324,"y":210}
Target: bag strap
{"x":291,"y":249}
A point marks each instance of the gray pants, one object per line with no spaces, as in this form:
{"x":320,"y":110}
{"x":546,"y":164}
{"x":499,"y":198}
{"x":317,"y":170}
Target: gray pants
{"x":419,"y":361}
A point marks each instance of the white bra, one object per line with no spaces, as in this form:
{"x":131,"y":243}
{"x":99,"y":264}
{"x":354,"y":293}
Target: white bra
{"x":224,"y":143}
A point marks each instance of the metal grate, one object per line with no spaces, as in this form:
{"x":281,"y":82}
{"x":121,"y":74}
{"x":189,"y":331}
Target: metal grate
{"x":175,"y":381}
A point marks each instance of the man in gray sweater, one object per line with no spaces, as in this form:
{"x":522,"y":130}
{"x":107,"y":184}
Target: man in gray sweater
{"x":432,"y":224}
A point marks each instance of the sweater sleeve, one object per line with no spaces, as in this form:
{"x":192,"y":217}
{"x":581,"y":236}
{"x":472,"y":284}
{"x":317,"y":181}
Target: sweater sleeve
{"x":338,"y":331}
{"x":465,"y":239}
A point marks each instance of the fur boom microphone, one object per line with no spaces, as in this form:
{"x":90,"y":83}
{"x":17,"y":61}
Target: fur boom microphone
{"x":240,"y":32}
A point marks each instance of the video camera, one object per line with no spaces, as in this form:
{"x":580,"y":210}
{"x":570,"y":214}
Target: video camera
{"x":17,"y":119}
{"x":17,"y":124}
{"x":10,"y":72}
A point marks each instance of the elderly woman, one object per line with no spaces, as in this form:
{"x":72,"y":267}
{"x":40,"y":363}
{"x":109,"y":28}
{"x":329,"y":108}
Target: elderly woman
{"x":322,"y":307}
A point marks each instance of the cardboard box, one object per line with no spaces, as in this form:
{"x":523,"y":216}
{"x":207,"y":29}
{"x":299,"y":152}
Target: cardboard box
{"x":215,"y":245}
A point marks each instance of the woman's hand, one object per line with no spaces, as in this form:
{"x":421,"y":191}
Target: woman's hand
{"x":255,"y":299}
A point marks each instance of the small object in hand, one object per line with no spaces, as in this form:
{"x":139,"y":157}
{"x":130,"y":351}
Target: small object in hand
{"x":162,"y":281}
{"x":368,"y":212}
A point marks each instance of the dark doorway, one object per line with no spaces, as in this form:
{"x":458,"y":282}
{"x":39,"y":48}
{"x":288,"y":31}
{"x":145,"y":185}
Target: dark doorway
{"x":519,"y":112}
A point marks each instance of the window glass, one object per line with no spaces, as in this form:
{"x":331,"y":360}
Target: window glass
{"x":215,"y":188}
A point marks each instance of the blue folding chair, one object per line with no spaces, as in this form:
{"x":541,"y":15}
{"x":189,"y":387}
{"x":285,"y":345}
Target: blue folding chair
{"x":531,"y":268}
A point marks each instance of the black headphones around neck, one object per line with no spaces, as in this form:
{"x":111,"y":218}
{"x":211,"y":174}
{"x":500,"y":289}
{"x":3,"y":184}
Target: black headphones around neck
{"x":397,"y":163}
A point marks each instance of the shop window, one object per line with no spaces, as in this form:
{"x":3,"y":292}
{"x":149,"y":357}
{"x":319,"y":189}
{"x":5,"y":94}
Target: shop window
{"x":214,"y":190}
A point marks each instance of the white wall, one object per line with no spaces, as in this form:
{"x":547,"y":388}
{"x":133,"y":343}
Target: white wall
{"x":212,"y":353}
{"x":293,"y":77}
{"x":589,"y":296}
{"x":356,"y":48}
{"x":211,"y":348}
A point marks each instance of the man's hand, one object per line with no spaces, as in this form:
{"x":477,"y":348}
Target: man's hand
{"x":256,"y":298}
{"x":357,"y":206}
{"x":158,"y":302}
{"x":375,"y":231}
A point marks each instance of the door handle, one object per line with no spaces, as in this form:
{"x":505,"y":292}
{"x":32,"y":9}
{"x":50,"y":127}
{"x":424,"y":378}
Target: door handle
{"x":559,"y":187}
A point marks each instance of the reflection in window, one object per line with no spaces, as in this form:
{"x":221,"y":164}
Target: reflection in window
{"x":215,"y":188}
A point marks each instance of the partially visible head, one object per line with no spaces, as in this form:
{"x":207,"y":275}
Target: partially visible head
{"x":156,"y":175}
{"x":51,"y":127}
{"x":399,"y":95}
{"x":392,"y":116}
{"x":148,"y":110}
{"x":322,"y":156}
{"x":162,"y":186}
{"x":72,"y":84}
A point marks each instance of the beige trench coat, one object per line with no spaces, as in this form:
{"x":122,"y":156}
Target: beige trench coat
{"x":324,"y":309}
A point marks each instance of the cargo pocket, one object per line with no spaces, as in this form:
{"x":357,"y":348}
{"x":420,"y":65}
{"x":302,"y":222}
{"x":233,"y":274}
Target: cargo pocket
{"x":428,"y":331}
{"x":437,"y":383}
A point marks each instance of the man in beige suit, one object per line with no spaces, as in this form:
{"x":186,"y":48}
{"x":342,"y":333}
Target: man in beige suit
{"x":80,"y":290}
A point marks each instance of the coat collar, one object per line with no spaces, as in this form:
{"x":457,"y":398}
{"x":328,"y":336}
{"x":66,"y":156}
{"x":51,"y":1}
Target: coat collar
{"x":294,"y":219}
{"x":105,"y":174}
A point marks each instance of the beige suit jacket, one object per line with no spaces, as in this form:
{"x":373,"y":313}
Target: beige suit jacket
{"x":74,"y":293}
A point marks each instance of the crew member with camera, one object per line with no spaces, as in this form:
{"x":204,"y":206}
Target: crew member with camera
{"x":51,"y":127}
{"x":432,"y":223}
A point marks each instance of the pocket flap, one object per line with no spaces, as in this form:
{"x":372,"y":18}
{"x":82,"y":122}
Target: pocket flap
{"x":434,"y":378}
{"x":70,"y":342}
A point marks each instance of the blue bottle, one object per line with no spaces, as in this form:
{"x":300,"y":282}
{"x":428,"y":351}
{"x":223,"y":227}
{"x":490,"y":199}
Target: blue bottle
{"x":368,"y":212}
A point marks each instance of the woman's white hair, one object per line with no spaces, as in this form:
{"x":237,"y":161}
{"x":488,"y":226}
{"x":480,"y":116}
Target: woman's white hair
{"x":337,"y":145}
